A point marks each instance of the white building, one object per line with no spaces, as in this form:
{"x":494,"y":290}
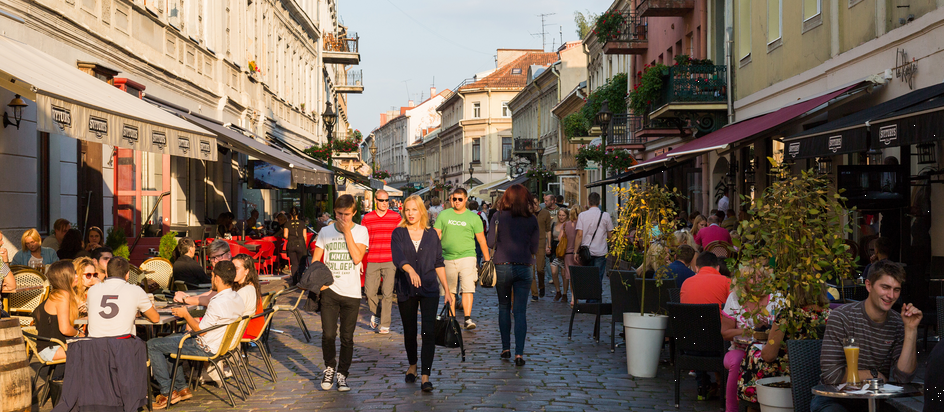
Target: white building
{"x":398,"y":130}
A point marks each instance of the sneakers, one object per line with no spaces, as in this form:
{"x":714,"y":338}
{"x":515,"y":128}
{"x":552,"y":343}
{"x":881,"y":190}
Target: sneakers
{"x":374,"y":321}
{"x":534,"y":298}
{"x":469,"y":324}
{"x":342,"y":383}
{"x":327,"y":381}
{"x":384,"y":331}
{"x":542,"y":292}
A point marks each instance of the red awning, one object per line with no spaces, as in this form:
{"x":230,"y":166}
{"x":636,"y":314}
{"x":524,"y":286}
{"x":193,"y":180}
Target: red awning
{"x":726,"y":136}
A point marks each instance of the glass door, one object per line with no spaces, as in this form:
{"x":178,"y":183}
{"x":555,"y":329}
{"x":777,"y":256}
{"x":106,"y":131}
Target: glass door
{"x":140,"y":178}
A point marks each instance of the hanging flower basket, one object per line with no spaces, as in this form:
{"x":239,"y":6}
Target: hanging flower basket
{"x":381,"y":175}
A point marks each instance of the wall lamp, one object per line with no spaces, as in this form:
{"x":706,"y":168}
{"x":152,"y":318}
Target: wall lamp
{"x":17,"y":104}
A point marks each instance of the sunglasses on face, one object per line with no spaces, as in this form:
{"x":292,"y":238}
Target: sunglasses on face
{"x":89,"y":275}
{"x":457,"y":199}
{"x":383,"y":200}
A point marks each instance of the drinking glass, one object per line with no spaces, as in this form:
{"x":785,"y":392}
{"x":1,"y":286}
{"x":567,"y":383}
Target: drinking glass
{"x":851,"y":349}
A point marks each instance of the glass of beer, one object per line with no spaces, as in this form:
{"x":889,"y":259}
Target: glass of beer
{"x":851,"y":349}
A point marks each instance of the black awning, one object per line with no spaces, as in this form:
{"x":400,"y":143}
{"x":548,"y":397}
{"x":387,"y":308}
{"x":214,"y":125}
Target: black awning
{"x":518,"y":180}
{"x":849,"y":134}
{"x":648,"y":168}
{"x":920,"y":123}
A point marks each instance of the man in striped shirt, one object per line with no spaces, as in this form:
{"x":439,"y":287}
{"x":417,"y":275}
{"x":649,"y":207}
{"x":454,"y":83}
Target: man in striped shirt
{"x":886,"y":339}
{"x":380,"y":224}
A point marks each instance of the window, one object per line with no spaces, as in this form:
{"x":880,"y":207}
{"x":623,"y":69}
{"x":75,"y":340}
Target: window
{"x":506,"y":112}
{"x":42,"y":189}
{"x":476,"y":110}
{"x":811,"y":8}
{"x":774,"y":8}
{"x":506,"y":148}
{"x":516,"y":70}
{"x":476,"y":150}
{"x":744,"y":29}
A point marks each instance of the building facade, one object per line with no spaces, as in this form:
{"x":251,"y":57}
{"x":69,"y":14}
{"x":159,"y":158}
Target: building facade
{"x":399,"y":130}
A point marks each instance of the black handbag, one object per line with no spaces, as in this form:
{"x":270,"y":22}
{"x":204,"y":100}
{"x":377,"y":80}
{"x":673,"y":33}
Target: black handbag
{"x":487,"y":275}
{"x":448,"y":332}
{"x":583,"y":252}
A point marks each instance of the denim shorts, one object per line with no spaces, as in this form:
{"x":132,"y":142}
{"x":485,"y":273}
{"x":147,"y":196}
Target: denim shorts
{"x":47,"y":354}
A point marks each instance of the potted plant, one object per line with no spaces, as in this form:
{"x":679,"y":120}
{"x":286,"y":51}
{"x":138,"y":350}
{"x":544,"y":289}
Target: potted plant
{"x":797,"y":228}
{"x":116,"y":240}
{"x":168,"y":244}
{"x":647,"y":210}
{"x":649,"y":82}
{"x":608,"y":26}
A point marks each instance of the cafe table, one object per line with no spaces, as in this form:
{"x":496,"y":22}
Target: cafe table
{"x":842,"y":392}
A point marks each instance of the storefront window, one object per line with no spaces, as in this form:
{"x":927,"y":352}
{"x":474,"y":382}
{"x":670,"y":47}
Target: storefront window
{"x":125,"y":170}
{"x":151,"y":171}
{"x":152,"y":227}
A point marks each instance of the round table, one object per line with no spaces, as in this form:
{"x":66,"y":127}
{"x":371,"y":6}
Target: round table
{"x":832,"y":391}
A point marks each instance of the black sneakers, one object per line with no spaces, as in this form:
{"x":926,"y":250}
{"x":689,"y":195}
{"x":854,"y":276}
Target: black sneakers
{"x":327,"y":381}
{"x":342,"y":383}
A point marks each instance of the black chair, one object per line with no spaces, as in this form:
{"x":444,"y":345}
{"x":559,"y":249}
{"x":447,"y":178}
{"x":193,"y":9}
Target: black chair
{"x":656,"y":296}
{"x":586,"y":283}
{"x":698,"y":342}
{"x":675,"y":295}
{"x":624,"y":299}
{"x":804,"y":370}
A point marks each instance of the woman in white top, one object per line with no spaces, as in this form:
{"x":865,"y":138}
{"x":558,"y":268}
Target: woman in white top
{"x":247,"y":287}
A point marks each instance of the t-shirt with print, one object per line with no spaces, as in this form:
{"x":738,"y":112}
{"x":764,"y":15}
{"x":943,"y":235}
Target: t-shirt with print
{"x":347,"y":275}
{"x":458,"y":233}
{"x":112,"y":307}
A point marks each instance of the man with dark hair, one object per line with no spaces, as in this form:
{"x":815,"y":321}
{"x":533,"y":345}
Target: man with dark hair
{"x":707,"y":286}
{"x":343,"y":246}
{"x":713,"y":232}
{"x":680,"y":269}
{"x":882,"y":251}
{"x":186,"y":268}
{"x":60,"y":227}
{"x":225,"y":307}
{"x":460,"y":230}
{"x":593,"y":229}
{"x":886,"y":339}
{"x":114,"y":303}
{"x":559,"y":200}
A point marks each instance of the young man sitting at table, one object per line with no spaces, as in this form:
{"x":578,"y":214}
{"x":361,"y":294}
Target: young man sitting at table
{"x":114,"y":303}
{"x":886,"y":339}
{"x":224,"y":307}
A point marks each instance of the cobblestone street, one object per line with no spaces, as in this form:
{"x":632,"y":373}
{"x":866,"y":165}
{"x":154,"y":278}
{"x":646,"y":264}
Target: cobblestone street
{"x":560,"y":375}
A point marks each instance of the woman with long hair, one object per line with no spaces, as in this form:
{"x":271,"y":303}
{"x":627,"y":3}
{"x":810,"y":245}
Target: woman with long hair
{"x":514,"y":237}
{"x":86,"y":276}
{"x":557,"y":264}
{"x":570,"y":232}
{"x":417,"y":254}
{"x":247,"y":287}
{"x":94,"y":238}
{"x":295,"y":234}
{"x":55,"y":317}
{"x":698,"y":223}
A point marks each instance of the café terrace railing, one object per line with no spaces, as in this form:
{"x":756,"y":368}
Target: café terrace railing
{"x":695,"y":83}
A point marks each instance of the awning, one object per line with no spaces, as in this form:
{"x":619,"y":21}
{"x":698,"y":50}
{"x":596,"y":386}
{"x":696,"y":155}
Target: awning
{"x":643,"y":169}
{"x":484,"y":189}
{"x":727,"y":136}
{"x":921,"y":123}
{"x":518,"y":180}
{"x":303,"y":171}
{"x":342,"y":173}
{"x":390,"y":191}
{"x":75,"y":104}
{"x":850,"y":133}
{"x":423,"y":191}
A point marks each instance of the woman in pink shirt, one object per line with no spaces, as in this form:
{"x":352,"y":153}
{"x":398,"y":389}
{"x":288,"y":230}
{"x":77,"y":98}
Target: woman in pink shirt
{"x":570,"y":232}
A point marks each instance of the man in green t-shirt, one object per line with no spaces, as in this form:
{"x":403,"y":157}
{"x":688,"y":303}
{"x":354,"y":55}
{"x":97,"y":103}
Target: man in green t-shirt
{"x":459,"y":229}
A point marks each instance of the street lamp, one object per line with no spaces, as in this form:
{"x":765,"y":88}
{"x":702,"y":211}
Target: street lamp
{"x":330,"y":117}
{"x":603,"y":120}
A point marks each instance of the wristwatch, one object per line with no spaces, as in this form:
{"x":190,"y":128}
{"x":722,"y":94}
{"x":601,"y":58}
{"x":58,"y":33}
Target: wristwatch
{"x":874,"y":372}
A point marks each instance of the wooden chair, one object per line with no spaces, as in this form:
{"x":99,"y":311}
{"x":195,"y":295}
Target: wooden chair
{"x":31,"y":342}
{"x":721,"y":249}
{"x":159,"y":270}
{"x":586,"y":284}
{"x":215,"y":359}
{"x":22,"y":304}
{"x":696,"y":329}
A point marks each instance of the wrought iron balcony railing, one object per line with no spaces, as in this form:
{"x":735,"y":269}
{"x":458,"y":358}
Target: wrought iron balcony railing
{"x":634,"y":28}
{"x":693,"y":84}
{"x":622,"y":129}
{"x":526,"y":145}
{"x":347,"y":44}
{"x":355,"y":78}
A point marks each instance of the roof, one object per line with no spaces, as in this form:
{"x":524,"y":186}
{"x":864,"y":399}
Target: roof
{"x":504,"y":78}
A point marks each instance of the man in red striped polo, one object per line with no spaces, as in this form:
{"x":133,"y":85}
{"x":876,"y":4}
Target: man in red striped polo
{"x":380,"y":224}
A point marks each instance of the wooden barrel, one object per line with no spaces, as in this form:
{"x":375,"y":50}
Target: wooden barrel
{"x":15,"y":373}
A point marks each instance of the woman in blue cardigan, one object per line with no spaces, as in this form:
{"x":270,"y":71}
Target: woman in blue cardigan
{"x":417,"y":253}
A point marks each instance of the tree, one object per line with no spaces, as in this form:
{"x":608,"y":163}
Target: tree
{"x":585,"y":22}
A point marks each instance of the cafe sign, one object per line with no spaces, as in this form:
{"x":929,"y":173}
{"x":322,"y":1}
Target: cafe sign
{"x":888,"y":134}
{"x":835,"y":143}
{"x":159,"y":139}
{"x":62,"y":117}
{"x":129,"y":133}
{"x":183,"y":143}
{"x":205,"y":147}
{"x":794,"y":149}
{"x":98,"y":126}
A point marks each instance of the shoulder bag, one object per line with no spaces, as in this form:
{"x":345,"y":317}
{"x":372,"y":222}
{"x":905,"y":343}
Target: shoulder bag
{"x":487,"y":275}
{"x":583,"y":252}
{"x":448,"y":332}
{"x":562,"y":244}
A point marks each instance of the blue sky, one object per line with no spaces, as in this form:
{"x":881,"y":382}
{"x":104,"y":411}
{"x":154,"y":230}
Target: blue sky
{"x":405,"y":44}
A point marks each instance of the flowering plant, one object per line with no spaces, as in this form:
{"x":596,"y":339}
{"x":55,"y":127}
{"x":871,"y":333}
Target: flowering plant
{"x":648,"y":86}
{"x":616,"y":160}
{"x":443,"y":186}
{"x":381,"y":175}
{"x":608,"y":26}
{"x":357,"y":136}
{"x":540,"y":173}
{"x":253,"y":68}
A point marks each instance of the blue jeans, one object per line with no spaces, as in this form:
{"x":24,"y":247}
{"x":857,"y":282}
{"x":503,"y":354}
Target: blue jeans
{"x":158,"y":351}
{"x":600,"y":263}
{"x":827,"y":404}
{"x":517,"y":279}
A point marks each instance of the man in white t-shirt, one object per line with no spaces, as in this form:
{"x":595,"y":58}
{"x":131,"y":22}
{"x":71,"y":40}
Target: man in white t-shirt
{"x":593,"y":229}
{"x":225,"y":307}
{"x":114,"y":303}
{"x":343,"y":246}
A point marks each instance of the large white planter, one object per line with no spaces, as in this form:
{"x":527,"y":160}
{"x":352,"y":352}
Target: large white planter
{"x":774,"y":399}
{"x":644,"y":339}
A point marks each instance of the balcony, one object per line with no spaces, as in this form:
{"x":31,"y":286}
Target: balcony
{"x":632,"y":38}
{"x":622,"y":132}
{"x":353,"y":83}
{"x":341,"y":49}
{"x":665,"y":8}
{"x":691,"y":89}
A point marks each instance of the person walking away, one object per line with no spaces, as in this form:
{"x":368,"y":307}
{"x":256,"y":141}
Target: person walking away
{"x":296,"y":236}
{"x":417,"y":254}
{"x":459,"y":230}
{"x":570,"y":232}
{"x":434,"y":210}
{"x":114,"y":303}
{"x":516,"y":239}
{"x":380,"y":268}
{"x":557,"y":262}
{"x":544,"y":249}
{"x":593,"y":229}
{"x":343,"y":246}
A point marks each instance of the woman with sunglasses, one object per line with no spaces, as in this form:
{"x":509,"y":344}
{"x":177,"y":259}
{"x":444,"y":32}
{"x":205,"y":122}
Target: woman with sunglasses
{"x":86,"y":276}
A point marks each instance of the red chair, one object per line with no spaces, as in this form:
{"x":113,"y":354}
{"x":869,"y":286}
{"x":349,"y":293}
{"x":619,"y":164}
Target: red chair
{"x":266,"y":255}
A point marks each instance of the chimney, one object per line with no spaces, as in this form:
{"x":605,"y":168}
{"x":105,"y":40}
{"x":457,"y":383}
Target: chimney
{"x":383,"y":119}
{"x":410,"y":104}
{"x":432,"y":92}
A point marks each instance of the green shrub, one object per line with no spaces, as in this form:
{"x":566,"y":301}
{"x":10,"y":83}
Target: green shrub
{"x":168,"y":244}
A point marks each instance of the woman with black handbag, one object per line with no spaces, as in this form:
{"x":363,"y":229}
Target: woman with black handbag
{"x":417,"y":254}
{"x":514,"y":237}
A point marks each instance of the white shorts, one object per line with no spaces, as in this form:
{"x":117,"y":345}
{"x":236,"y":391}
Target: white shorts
{"x":47,"y":354}
{"x":462,"y":274}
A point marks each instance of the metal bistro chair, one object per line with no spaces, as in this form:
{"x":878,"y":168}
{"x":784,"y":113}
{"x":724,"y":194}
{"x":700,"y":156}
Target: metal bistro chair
{"x":135,"y":275}
{"x":215,"y":359}
{"x":587,"y":285}
{"x":159,"y":270}
{"x":258,"y":342}
{"x":31,"y":342}
{"x":625,"y":299}
{"x":294,"y":309}
{"x":22,"y":304}
{"x":720,"y":248}
{"x":697,"y":329}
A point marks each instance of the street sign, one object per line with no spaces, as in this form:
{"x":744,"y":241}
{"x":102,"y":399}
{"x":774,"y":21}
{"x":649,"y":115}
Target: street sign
{"x":376,"y":184}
